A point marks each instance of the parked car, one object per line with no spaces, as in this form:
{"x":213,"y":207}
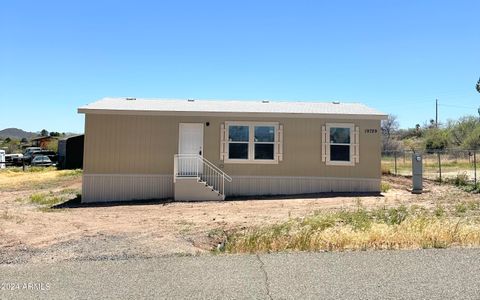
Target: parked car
{"x":14,"y":159}
{"x":51,"y":154}
{"x":27,"y":155}
{"x":41,"y":161}
{"x":29,"y":150}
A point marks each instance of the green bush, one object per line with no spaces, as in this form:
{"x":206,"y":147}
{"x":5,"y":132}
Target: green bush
{"x":436,"y":139}
{"x":461,"y":179}
{"x":385,"y":187}
{"x":461,"y":208}
{"x":46,"y":199}
{"x":391,"y":216}
{"x":439,"y":211}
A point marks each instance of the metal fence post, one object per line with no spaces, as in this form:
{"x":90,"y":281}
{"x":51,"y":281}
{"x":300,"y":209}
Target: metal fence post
{"x":475,"y":167}
{"x":439,"y":166}
{"x":395,"y":155}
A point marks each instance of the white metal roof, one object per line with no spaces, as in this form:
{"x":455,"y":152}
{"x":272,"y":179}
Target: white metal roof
{"x":244,"y":108}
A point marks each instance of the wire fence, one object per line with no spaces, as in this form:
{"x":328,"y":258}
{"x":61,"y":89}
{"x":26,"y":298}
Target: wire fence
{"x":437,"y":165}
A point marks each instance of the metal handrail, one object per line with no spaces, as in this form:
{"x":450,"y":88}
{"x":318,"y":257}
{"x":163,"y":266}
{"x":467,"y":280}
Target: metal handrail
{"x":202,"y":169}
{"x":227,"y":177}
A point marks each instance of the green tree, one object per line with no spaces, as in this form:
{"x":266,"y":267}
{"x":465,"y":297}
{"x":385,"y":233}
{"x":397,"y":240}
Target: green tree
{"x":44,"y":132}
{"x":436,"y":139}
{"x":13,"y":146}
{"x":52,"y":145}
{"x":461,"y":129}
{"x":472,"y":142}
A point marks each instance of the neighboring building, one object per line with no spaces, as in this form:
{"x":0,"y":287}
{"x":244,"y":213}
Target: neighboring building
{"x":70,"y":152}
{"x":42,"y":141}
{"x":206,"y":150}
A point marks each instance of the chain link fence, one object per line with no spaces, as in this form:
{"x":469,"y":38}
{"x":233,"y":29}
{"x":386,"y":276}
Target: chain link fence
{"x":441,"y":165}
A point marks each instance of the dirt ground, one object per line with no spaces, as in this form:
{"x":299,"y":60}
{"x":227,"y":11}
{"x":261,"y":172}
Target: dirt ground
{"x":75,"y":232}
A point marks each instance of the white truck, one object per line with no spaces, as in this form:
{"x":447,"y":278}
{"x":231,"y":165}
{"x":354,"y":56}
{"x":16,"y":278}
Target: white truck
{"x":2,"y":159}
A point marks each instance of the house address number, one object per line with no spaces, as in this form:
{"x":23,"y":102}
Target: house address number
{"x":371,"y":130}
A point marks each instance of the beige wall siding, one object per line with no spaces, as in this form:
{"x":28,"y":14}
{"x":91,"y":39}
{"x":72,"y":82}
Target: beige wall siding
{"x":124,"y":144}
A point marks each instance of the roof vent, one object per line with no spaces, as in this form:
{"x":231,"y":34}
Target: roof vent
{"x":336,"y":102}
{"x":265,"y":101}
{"x":191,"y":100}
{"x":131,"y":99}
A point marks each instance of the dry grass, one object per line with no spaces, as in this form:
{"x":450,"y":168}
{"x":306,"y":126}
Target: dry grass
{"x":34,"y":178}
{"x":361,"y":229}
{"x":450,"y":166}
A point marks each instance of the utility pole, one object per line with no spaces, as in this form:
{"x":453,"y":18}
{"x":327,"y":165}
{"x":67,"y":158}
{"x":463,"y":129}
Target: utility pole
{"x":436,"y":113}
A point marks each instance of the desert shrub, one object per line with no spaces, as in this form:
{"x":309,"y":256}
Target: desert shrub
{"x":386,"y":170}
{"x":45,"y":199}
{"x":439,"y":211}
{"x":461,"y":179}
{"x":461,"y":208}
{"x":385,"y":187}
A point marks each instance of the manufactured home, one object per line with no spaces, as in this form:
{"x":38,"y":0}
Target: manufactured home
{"x":137,"y":149}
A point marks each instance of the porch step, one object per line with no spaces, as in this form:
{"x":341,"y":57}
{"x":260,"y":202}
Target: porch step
{"x":190,"y":189}
{"x":208,"y":186}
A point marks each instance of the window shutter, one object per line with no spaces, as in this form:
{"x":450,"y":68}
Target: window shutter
{"x":356,"y":145}
{"x":223,"y":142}
{"x":280,"y":142}
{"x":325,"y":142}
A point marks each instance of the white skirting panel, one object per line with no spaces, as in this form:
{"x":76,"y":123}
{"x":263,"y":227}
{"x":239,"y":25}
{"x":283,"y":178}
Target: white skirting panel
{"x":285,"y":185}
{"x":124,"y":187}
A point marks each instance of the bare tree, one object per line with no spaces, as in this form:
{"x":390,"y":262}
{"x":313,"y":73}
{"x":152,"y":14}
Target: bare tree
{"x":389,"y":127}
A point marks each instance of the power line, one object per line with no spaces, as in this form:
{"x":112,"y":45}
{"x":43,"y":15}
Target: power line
{"x":457,"y":106}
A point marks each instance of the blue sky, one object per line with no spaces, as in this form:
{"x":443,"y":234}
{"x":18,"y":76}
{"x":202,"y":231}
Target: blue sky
{"x":396,"y":56}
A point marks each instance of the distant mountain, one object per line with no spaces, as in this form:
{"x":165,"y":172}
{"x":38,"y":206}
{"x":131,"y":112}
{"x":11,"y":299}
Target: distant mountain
{"x":15,"y":133}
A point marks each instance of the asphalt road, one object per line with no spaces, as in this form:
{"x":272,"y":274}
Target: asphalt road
{"x":422,"y":274}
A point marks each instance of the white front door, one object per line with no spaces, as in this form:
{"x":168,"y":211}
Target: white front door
{"x":190,"y":141}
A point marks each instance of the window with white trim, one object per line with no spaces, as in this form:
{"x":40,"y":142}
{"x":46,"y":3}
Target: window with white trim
{"x":251,"y":142}
{"x":340,"y":144}
{"x":238,"y":140}
{"x":264,"y":142}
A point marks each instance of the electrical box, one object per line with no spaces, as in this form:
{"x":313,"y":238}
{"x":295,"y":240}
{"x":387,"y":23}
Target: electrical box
{"x":417,"y":173}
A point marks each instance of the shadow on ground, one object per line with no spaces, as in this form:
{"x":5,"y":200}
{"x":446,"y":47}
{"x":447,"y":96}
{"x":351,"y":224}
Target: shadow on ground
{"x":77,"y":201}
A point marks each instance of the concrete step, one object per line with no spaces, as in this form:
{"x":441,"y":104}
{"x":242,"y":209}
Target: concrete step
{"x":191,"y":189}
